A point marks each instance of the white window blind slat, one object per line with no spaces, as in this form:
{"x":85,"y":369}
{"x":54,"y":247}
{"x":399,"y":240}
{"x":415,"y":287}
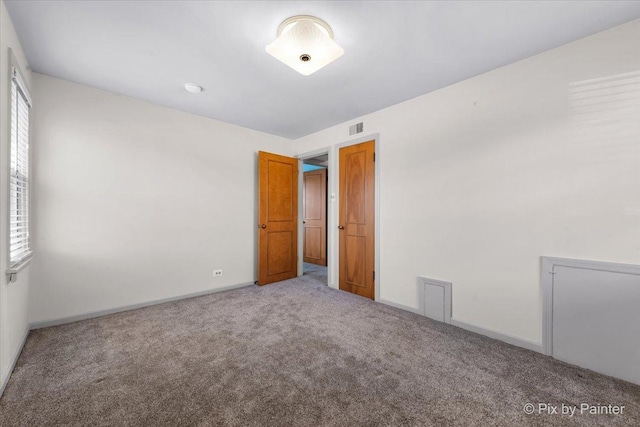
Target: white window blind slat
{"x":19,"y":246}
{"x":23,"y":244}
{"x":20,"y":254}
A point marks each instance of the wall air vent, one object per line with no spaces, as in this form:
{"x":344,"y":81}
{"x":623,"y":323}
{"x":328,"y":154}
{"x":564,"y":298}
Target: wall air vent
{"x":357,"y":128}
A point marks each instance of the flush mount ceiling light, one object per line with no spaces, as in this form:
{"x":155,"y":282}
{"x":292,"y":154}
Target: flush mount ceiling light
{"x":305,"y":43}
{"x":192,"y":88}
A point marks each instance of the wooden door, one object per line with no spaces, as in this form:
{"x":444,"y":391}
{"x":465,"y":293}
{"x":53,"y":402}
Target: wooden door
{"x":357,"y":212}
{"x":314,"y":209}
{"x":278,"y":218}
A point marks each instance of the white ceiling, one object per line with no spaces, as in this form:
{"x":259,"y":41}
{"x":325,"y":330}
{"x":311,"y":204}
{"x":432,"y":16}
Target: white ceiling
{"x":393,"y":51}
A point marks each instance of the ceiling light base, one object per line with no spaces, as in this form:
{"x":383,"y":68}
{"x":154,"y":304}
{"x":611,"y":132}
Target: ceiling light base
{"x":305,"y":43}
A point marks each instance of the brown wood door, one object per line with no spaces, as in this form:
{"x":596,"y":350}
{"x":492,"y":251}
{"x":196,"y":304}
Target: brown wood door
{"x":278,"y":218}
{"x":314,"y":209}
{"x":357,"y":212}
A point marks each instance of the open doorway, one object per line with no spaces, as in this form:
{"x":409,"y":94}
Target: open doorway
{"x":314,"y":207}
{"x":346,"y":266}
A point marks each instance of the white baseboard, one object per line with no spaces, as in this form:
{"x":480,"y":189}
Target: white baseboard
{"x":501,"y":336}
{"x":509,"y":339}
{"x":91,"y":315}
{"x":70,"y":319}
{"x":14,"y":359}
{"x":400,"y":306}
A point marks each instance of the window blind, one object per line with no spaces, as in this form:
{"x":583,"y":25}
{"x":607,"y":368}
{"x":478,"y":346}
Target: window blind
{"x":19,"y":247}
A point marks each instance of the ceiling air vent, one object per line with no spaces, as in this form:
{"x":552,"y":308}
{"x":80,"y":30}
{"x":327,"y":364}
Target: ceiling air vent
{"x":357,"y":128}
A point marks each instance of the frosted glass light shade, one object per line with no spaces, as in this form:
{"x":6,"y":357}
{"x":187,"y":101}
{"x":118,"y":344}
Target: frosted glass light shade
{"x":305,"y":43}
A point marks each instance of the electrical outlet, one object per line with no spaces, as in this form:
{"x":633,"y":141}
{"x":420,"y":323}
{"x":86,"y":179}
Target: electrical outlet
{"x":217,"y":273}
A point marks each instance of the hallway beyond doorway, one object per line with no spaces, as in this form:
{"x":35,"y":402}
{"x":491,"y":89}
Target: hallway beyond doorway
{"x":318,"y":272}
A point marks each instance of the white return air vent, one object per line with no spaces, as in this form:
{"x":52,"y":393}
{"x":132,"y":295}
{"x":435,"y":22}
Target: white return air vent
{"x":434,"y":299}
{"x":357,"y":128}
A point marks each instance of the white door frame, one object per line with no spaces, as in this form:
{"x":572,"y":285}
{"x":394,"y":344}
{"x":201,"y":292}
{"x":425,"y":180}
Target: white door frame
{"x":333,"y":211}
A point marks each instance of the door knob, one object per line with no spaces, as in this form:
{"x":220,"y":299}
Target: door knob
{"x":263,"y":226}
{"x":304,"y":222}
{"x":341,"y":227}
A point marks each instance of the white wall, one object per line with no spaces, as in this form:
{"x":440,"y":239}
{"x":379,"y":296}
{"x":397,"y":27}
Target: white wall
{"x":481,"y":178}
{"x":14,"y":297}
{"x":137,"y":202}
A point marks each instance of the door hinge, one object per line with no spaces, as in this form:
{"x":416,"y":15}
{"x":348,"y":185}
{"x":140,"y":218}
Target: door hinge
{"x":374,"y":157}
{"x":374,"y":275}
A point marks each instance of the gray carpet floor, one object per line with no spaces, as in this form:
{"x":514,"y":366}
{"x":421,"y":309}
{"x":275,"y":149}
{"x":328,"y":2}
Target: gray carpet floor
{"x":315,"y":271}
{"x":291,"y":353}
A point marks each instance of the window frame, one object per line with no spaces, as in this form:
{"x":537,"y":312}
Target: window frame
{"x":22,"y":90}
